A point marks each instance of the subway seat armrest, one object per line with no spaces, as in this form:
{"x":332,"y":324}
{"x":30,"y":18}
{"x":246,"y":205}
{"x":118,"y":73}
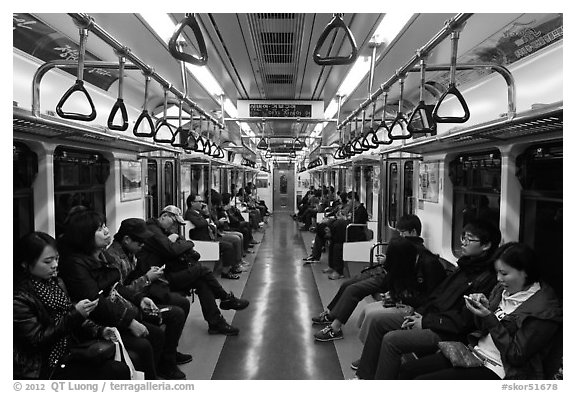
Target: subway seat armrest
{"x":208,"y":250}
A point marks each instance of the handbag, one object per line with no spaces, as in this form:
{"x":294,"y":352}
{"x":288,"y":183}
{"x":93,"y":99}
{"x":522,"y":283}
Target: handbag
{"x":121,"y":355}
{"x":92,"y":351}
{"x":459,"y":354}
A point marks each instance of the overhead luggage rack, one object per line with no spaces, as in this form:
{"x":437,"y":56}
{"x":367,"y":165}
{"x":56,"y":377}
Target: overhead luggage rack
{"x":546,"y":119}
{"x":47,"y":127}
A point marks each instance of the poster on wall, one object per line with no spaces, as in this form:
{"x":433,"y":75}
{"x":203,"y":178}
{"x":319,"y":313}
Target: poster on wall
{"x":428,"y":182}
{"x":376,"y":180}
{"x":130,"y":180}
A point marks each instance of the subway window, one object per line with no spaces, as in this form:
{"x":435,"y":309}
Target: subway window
{"x":476,"y":179}
{"x":368,"y":172}
{"x":24,"y":169}
{"x":539,"y":170}
{"x":408,"y":196}
{"x":79,"y":179}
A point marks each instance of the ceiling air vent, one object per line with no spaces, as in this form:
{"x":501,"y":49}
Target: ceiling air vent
{"x":276,"y":16}
{"x":277,"y":47}
{"x":279,"y":79}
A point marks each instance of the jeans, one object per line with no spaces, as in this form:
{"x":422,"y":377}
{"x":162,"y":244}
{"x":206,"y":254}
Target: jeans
{"x":351,"y":292}
{"x":438,"y":367}
{"x":385,"y":344}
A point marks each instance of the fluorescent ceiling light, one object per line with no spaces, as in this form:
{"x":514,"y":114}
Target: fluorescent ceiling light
{"x":386,"y":32}
{"x":390,"y":26}
{"x":230,"y":108}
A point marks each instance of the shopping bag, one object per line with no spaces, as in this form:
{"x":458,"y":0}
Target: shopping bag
{"x":122,"y":355}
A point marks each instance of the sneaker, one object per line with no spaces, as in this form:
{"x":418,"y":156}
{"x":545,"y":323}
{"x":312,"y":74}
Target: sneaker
{"x":322,"y":319}
{"x":328,"y":270}
{"x":183,"y":358}
{"x":311,"y":258}
{"x":230,"y":276}
{"x":354,"y":365}
{"x":335,"y":276}
{"x":171,"y":373}
{"x":328,"y":334}
{"x":223,"y":327}
{"x":232,"y":302}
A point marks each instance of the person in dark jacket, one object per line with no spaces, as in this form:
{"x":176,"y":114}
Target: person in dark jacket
{"x":411,"y":278}
{"x":197,"y":213}
{"x":184,"y":272}
{"x":357,"y":215}
{"x":443,"y":317}
{"x":46,"y":322}
{"x":515,"y":326}
{"x":89,"y":274}
{"x":128,"y":241}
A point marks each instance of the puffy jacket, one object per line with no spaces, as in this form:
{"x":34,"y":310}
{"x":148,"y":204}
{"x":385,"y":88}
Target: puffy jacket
{"x":445,"y":311}
{"x":85,"y":276}
{"x":523,"y":336}
{"x":35,"y":331}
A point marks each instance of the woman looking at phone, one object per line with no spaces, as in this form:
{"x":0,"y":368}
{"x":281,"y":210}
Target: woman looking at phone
{"x":515,"y":325}
{"x":47,"y":323}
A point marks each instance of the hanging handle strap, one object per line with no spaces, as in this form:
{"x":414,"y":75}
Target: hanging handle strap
{"x":78,"y":87}
{"x":144,"y":116}
{"x":383,"y":123}
{"x":163,"y":123}
{"x":119,"y":105}
{"x":188,"y":21}
{"x":452,"y":90}
{"x":336,"y":23}
{"x":362,"y":142}
{"x":421,"y":120}
{"x":400,"y":120}
{"x":181,"y":134}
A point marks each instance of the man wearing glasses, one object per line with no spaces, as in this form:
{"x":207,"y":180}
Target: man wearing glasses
{"x":444,"y":317}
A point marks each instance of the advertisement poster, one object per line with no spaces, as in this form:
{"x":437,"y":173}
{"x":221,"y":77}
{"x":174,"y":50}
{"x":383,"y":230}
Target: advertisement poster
{"x":130,"y":180}
{"x":428,"y":182}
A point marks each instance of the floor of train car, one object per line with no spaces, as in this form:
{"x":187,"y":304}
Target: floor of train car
{"x":276,"y":334}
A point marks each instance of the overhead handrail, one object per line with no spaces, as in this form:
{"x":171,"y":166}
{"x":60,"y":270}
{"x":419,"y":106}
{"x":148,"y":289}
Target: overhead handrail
{"x":163,"y":123}
{"x":400,"y":120}
{"x":144,"y":116}
{"x":78,"y":86}
{"x":298,"y":144}
{"x":421,"y":120}
{"x":446,"y":30}
{"x":191,"y":140}
{"x":452,"y":89}
{"x":88,"y":22}
{"x":176,"y":47}
{"x":119,"y":105}
{"x":358,"y":144}
{"x":336,"y":23}
{"x":219,"y":151}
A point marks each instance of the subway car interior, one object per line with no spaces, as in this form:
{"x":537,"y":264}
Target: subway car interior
{"x":455,"y":118}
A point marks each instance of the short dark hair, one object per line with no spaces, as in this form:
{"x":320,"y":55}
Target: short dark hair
{"x":226,"y":198}
{"x":520,"y":257}
{"x":80,"y":230}
{"x":486,"y":233}
{"x":401,"y":264}
{"x":27,"y":251}
{"x":190,"y":199}
{"x":409,"y":222}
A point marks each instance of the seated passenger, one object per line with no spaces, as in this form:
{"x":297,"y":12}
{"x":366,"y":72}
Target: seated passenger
{"x":46,"y":323}
{"x":197,"y":213}
{"x":515,"y":325}
{"x":89,"y":274}
{"x":323,"y":231}
{"x":409,"y":278}
{"x":443,"y":317}
{"x":236,"y":221}
{"x":357,"y":215}
{"x":184,"y":272}
{"x":128,"y":241}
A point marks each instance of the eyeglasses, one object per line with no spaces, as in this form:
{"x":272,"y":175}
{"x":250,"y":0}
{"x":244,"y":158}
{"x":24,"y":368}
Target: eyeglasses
{"x":466,"y":239}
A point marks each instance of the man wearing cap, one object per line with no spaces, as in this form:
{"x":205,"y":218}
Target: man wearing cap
{"x":128,"y":241}
{"x":184,"y":272}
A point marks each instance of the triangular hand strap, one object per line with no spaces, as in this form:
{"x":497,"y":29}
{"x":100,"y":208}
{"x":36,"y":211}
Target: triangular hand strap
{"x":451,"y":119}
{"x":78,"y":86}
{"x":335,"y":23}
{"x":189,"y":20}
{"x":159,"y":132}
{"x":399,"y":121}
{"x":421,"y":120}
{"x":181,"y":138}
{"x":119,"y":105}
{"x":370,"y":139}
{"x":144,"y":116}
